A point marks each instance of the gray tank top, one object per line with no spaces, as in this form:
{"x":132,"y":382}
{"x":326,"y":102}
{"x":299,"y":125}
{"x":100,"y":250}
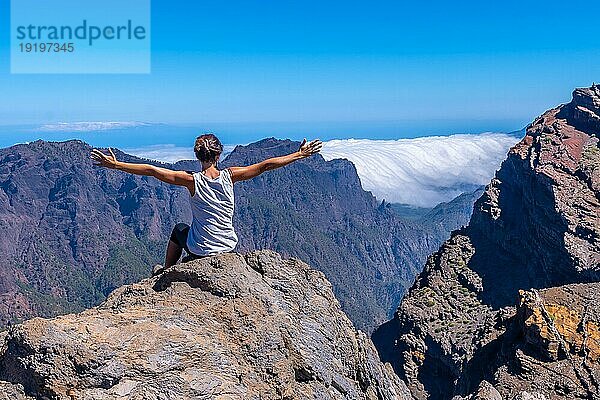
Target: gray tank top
{"x":212,"y":205}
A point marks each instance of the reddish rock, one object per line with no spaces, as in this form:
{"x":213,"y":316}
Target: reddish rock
{"x":511,"y":299}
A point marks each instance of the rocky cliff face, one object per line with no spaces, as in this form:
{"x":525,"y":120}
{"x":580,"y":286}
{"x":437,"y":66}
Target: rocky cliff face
{"x":232,"y":326}
{"x":467,"y":326}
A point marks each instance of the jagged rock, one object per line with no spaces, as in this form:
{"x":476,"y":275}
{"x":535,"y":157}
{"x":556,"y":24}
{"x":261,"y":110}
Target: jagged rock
{"x":224,"y":327}
{"x":9,"y":391}
{"x":562,"y":321}
{"x":471,"y":316}
{"x":556,"y":336}
{"x":485,"y":391}
{"x":440,"y":324}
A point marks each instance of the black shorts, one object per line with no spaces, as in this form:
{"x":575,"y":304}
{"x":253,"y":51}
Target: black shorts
{"x":179,"y":236}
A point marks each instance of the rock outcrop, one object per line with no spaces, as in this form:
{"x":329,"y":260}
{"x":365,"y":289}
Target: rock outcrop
{"x":232,"y":326}
{"x":555,"y":344}
{"x":508,"y":304}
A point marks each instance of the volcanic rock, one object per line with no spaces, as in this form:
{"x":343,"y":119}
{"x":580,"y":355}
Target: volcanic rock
{"x":231,"y":326}
{"x":510,"y":301}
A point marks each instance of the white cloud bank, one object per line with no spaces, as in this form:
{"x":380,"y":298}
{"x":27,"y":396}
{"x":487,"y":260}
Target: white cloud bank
{"x":424,"y":171}
{"x":420,"y":172}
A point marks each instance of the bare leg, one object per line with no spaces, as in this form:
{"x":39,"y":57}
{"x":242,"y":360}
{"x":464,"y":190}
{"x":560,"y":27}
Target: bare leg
{"x":173,"y":254}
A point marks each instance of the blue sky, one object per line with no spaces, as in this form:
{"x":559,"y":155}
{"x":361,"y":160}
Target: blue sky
{"x":384,"y":69}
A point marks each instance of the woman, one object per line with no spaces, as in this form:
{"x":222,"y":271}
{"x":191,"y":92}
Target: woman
{"x":211,"y":195}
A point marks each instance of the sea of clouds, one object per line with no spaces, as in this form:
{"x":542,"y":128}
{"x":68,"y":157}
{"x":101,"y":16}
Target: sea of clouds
{"x":421,"y":172}
{"x":425,"y":171}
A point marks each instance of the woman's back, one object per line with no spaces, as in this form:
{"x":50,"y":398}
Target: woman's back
{"x":212,"y":206}
{"x":211,"y":199}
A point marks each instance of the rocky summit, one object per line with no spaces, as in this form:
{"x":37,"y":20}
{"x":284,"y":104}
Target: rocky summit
{"x":232,"y":326}
{"x":508,"y":307}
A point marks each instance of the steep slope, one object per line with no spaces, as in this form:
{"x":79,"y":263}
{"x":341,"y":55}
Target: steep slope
{"x":447,"y":217}
{"x":232,"y":326}
{"x":441,"y":220}
{"x":537,"y":226}
{"x":68,"y":228}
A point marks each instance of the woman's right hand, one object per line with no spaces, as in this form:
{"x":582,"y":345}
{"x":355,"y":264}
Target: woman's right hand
{"x":103,"y":160}
{"x":308,"y":149}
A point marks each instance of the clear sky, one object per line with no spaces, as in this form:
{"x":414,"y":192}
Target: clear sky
{"x":453,"y":65}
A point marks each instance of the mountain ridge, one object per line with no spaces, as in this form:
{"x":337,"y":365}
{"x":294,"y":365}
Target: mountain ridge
{"x":70,"y":228}
{"x":503,"y":306}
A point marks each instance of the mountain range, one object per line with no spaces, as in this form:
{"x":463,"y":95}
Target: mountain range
{"x":506,"y":308}
{"x":73,"y":233}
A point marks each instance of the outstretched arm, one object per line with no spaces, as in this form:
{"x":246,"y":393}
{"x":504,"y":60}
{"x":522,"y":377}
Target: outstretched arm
{"x":179,"y":178}
{"x":251,"y":171}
